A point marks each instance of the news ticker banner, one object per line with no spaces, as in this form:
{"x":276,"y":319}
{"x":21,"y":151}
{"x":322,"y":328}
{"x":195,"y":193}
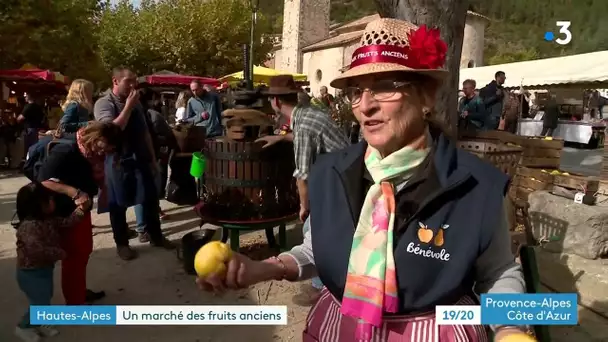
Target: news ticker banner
{"x":513,"y":309}
{"x":495,"y":309}
{"x":159,"y":315}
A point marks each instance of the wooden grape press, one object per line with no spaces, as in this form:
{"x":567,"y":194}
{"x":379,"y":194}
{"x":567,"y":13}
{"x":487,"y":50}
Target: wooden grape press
{"x":247,"y":186}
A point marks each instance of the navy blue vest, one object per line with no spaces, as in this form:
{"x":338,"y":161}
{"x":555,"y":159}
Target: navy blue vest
{"x":435,"y":248}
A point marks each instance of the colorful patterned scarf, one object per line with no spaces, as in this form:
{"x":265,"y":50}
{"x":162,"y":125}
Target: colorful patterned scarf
{"x":371,"y":282}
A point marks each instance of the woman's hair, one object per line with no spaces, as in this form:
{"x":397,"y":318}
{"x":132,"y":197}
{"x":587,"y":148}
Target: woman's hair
{"x":96,"y":130}
{"x":31,"y":201}
{"x":182,"y":99}
{"x":77,"y":93}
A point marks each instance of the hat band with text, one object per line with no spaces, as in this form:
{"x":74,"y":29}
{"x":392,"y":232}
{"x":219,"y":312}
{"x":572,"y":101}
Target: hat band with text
{"x":382,"y":54}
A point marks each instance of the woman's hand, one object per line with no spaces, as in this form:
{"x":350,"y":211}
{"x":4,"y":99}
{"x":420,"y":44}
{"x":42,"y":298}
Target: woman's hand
{"x":241,"y":272}
{"x":83,"y":201}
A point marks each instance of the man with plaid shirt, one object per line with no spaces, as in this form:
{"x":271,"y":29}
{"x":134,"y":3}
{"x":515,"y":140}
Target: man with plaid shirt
{"x":313,"y":133}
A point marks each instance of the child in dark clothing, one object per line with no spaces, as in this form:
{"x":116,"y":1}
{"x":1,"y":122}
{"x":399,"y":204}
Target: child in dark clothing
{"x":38,"y":249}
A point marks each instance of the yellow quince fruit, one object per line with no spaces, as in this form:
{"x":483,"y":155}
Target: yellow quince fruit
{"x":212,"y":259}
{"x":518,"y":338}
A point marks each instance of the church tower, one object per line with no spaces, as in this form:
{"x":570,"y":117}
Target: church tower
{"x":304,"y":22}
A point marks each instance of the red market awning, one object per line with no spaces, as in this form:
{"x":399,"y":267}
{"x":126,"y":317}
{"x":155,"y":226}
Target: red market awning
{"x":33,"y":75}
{"x":176,"y":80}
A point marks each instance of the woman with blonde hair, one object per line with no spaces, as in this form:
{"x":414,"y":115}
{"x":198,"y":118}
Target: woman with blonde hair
{"x":77,"y":107}
{"x":401,"y":222}
{"x":180,"y":105}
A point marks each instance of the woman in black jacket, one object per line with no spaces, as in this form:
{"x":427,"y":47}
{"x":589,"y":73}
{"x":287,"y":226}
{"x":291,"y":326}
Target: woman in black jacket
{"x":74,"y":172}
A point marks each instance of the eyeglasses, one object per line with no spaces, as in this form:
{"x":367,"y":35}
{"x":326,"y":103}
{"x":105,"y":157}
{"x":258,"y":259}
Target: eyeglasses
{"x":380,"y":91}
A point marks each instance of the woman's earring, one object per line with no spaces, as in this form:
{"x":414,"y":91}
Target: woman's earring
{"x":426,"y":113}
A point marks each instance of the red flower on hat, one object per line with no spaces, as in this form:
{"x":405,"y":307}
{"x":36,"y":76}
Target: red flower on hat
{"x":427,"y":50}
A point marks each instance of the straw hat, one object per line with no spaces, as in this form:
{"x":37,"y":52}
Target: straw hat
{"x":390,"y":45}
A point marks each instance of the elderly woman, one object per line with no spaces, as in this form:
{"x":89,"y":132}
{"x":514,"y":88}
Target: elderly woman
{"x":401,"y":222}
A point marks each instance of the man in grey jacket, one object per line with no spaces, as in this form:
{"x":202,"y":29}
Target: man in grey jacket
{"x":204,"y":109}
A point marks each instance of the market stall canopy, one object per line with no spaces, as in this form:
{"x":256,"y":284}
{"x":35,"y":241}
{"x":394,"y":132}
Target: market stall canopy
{"x":588,"y":70}
{"x":168,"y":78}
{"x":31,"y":72}
{"x":261,"y":75}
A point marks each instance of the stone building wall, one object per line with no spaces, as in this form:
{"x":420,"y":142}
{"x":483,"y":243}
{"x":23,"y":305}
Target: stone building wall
{"x":322,"y":66}
{"x":348,"y":52}
{"x":473,"y":43}
{"x":304,"y":22}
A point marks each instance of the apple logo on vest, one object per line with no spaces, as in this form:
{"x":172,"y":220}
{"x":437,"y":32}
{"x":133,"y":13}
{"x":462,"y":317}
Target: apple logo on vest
{"x":429,"y":243}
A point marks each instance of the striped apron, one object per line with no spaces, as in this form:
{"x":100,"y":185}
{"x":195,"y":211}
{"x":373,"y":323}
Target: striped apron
{"x":325,"y":323}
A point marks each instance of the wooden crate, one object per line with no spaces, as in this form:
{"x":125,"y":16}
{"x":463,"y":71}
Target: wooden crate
{"x":537,"y":151}
{"x":528,"y":180}
{"x":541,"y":153}
{"x":504,"y":157}
{"x":568,"y":185}
{"x":532,"y":179}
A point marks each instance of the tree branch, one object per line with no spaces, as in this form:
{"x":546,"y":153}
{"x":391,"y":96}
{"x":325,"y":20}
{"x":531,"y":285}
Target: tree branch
{"x":449,"y":16}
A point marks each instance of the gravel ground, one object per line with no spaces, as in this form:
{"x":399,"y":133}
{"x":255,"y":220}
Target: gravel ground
{"x":157,"y":278}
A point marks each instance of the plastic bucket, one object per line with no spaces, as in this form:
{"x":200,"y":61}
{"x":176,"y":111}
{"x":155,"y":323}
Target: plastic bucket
{"x":191,"y":243}
{"x":199,"y":163}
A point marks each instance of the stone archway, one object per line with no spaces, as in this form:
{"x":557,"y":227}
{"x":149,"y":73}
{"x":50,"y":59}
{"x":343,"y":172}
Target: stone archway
{"x":471,"y":64}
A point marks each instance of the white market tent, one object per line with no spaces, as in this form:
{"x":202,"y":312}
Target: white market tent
{"x":585,"y":70}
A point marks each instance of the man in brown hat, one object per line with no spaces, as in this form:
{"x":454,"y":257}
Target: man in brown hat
{"x":313,"y":133}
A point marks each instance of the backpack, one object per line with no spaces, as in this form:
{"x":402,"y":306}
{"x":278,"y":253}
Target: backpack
{"x":37,"y":154}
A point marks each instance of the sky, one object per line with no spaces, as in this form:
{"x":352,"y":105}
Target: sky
{"x":134,"y":2}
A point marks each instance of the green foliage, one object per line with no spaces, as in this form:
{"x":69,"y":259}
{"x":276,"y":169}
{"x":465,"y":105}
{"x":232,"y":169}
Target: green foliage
{"x":343,"y":114}
{"x":517,"y":27}
{"x":349,"y":10}
{"x":184,"y":36}
{"x":511,"y":56}
{"x":51,"y":34}
{"x":85,"y":38}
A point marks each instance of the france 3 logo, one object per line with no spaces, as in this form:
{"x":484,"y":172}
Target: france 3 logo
{"x":563,"y":36}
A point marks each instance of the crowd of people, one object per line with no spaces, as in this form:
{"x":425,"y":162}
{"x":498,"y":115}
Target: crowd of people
{"x":19,"y":126}
{"x":116,"y":157}
{"x":495,"y":108}
{"x":116,"y":148}
{"x":387,"y":231}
